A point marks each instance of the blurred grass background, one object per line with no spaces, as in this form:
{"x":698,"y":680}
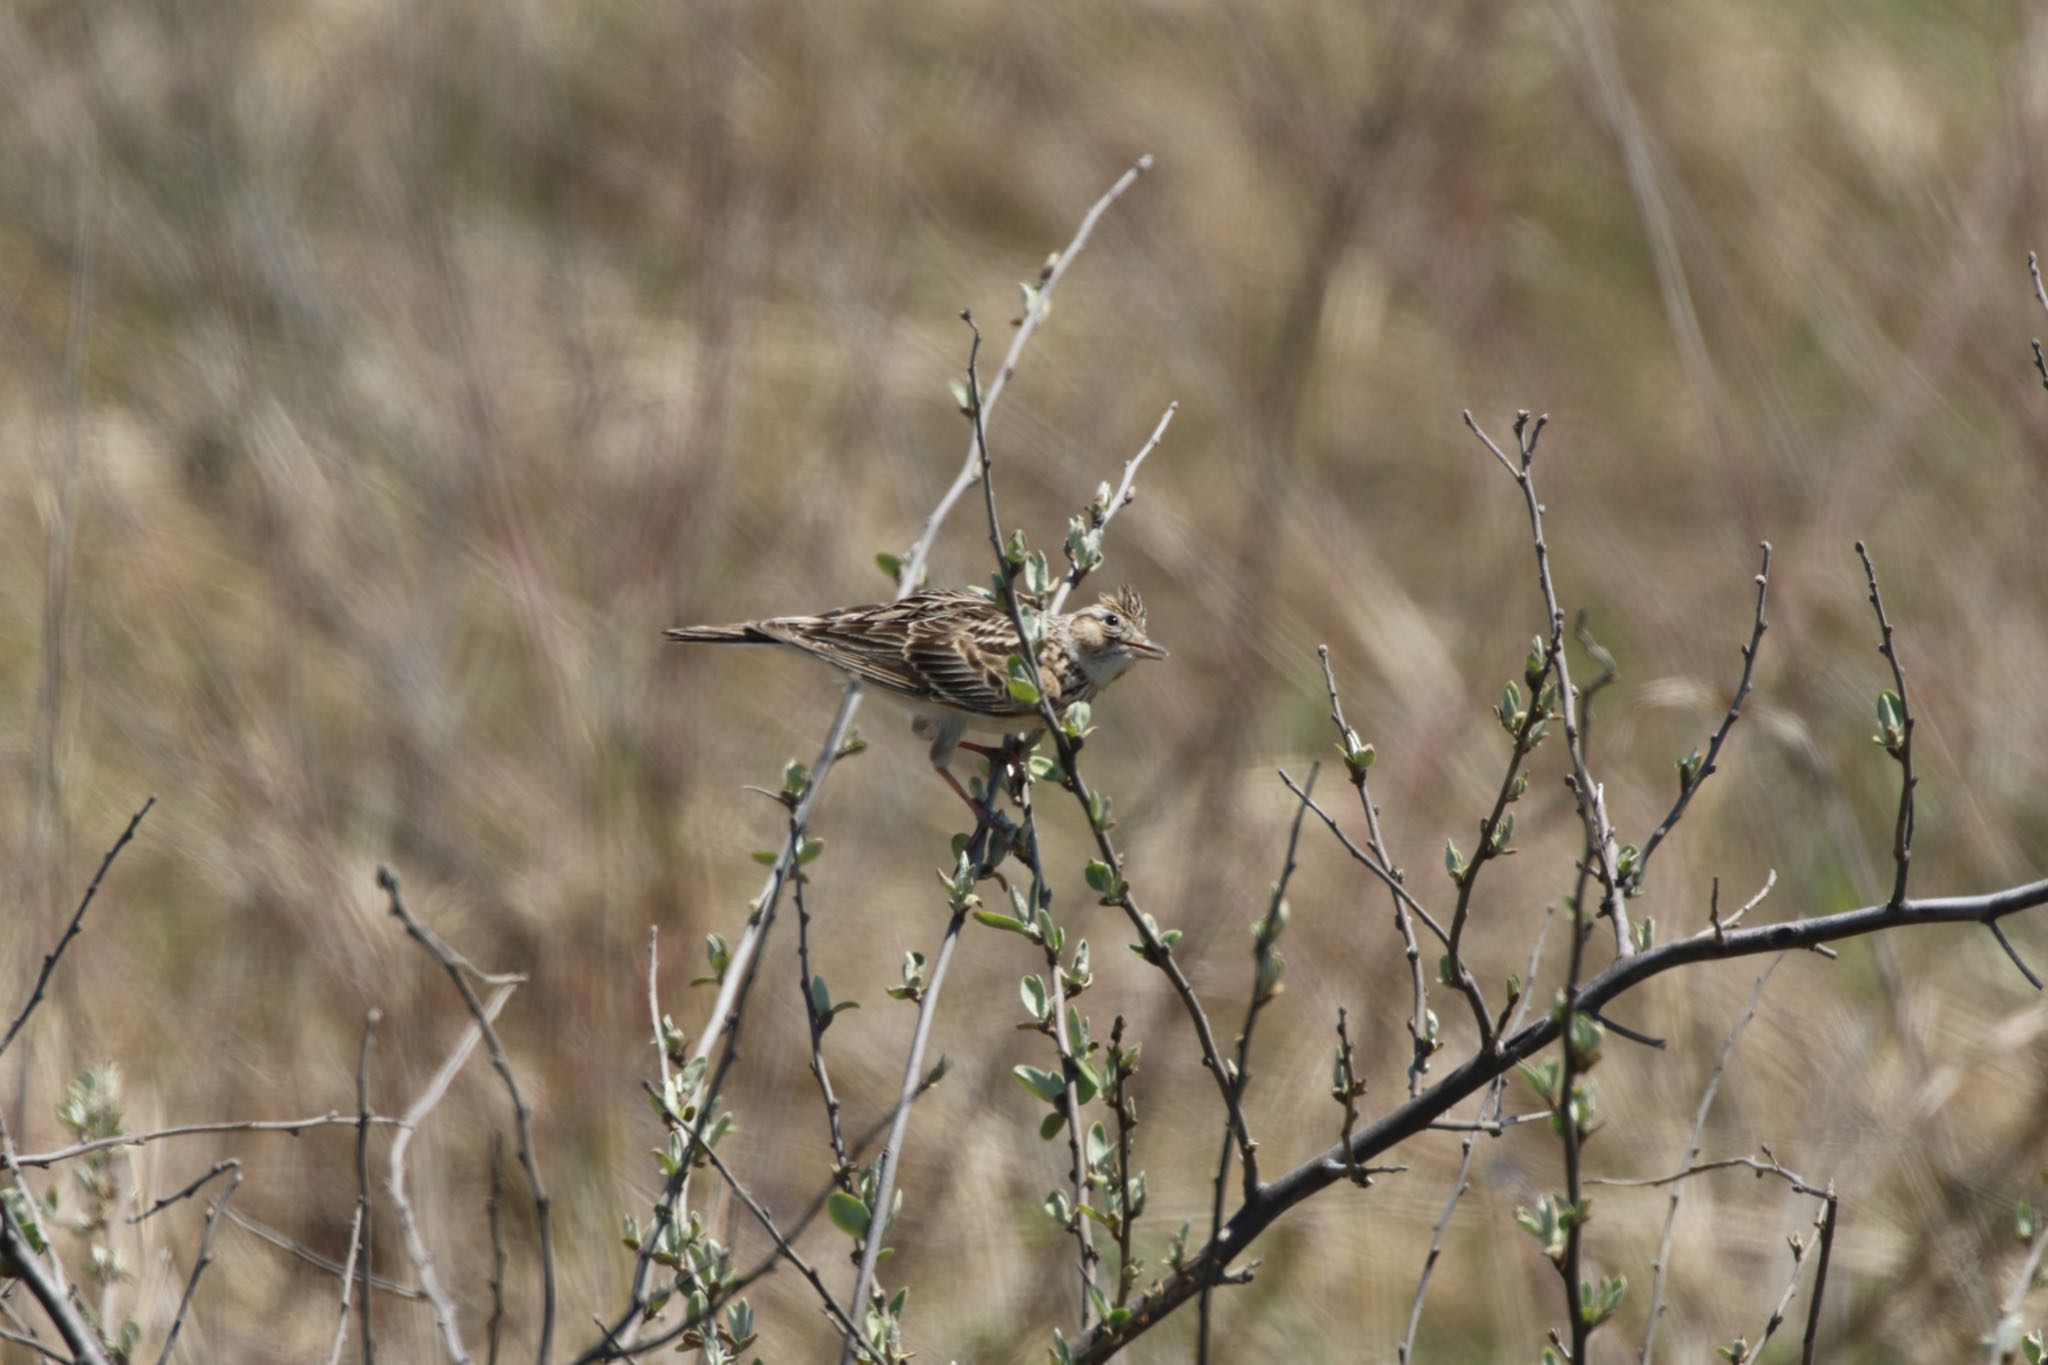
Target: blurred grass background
{"x":377,"y":380}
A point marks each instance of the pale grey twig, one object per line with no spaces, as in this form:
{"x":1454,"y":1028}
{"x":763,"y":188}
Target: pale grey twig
{"x":293,"y":1127}
{"x":1123,"y":494}
{"x":348,"y":1284}
{"x":394,"y":1180}
{"x":970,"y":468}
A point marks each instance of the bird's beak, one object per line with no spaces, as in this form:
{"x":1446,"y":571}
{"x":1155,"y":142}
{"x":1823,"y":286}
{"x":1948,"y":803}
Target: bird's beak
{"x":1145,"y":649}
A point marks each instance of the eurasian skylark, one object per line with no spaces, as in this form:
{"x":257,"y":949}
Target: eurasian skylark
{"x":945,"y":655}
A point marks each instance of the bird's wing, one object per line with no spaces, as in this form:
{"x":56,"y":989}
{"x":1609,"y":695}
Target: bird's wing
{"x":947,"y":648}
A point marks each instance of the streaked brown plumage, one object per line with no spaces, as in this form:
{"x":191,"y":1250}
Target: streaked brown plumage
{"x":946,"y":655}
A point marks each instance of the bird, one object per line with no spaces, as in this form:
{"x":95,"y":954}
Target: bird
{"x":944,"y":653}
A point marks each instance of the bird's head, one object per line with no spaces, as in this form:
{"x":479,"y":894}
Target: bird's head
{"x":1110,"y":636}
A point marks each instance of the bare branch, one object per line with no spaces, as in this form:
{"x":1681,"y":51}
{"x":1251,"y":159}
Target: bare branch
{"x":71,"y":930}
{"x":234,"y":1173}
{"x":1622,"y":975}
{"x":522,"y":1118}
{"x":394,"y":1178}
{"x":348,"y":1284}
{"x":291,"y":1127}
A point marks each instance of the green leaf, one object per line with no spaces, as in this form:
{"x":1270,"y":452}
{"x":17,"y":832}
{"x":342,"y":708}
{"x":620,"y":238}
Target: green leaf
{"x":1021,"y":686}
{"x":1049,"y":1127}
{"x":848,"y":1214}
{"x":821,"y":1000}
{"x":997,"y":920}
{"x":766,"y":856}
{"x":1043,"y":1084}
{"x":810,"y":850}
{"x":1100,"y":877}
{"x":1035,"y":999}
{"x":891,"y":565}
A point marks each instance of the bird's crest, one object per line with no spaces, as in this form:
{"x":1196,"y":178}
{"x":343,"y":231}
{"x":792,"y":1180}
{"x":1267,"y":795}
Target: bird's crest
{"x":1128,"y":602}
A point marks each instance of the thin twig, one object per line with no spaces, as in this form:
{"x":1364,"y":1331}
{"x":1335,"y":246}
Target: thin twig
{"x":970,"y":469}
{"x":493,"y":1204}
{"x":1126,"y":1110}
{"x":1422,"y":1040}
{"x":394,"y":1178}
{"x":1592,"y":799}
{"x":1829,"y":1219}
{"x":2005,"y":1333}
{"x":234,"y":1174}
{"x":1494,"y":832}
{"x":362,"y":1220}
{"x":695,"y":1146}
{"x":1902,"y":749}
{"x":2041,"y":294}
{"x":348,"y":1284}
{"x":1495,"y":1099}
{"x":1117,"y":500}
{"x":1662,"y":1265}
{"x":313,"y":1258}
{"x":842,"y":1167}
{"x":1691,"y":779}
{"x":71,"y":930}
{"x":885,"y":1180}
{"x":1372,"y":862}
{"x":1265,"y":983}
{"x":32,"y":1344}
{"x":292,"y":1127}
{"x":522,"y":1117}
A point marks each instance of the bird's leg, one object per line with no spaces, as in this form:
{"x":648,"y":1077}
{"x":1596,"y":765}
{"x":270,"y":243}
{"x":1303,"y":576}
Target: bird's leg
{"x":961,"y":791}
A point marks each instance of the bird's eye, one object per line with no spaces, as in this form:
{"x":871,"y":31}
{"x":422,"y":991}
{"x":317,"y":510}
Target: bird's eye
{"x":1112,"y":621}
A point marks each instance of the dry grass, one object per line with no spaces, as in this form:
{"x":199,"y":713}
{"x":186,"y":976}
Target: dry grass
{"x":435,"y":358}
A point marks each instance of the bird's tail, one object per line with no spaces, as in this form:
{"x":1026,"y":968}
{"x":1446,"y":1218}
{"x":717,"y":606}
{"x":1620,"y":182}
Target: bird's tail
{"x":718,"y":635}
